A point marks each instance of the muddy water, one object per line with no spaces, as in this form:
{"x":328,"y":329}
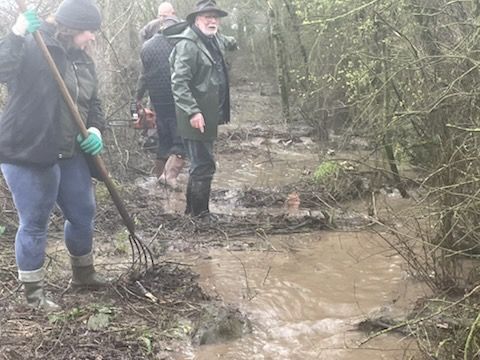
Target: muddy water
{"x":305,"y":296}
{"x":265,"y":163}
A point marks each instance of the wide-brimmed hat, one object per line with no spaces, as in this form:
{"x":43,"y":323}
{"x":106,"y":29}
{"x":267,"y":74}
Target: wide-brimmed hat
{"x":203,"y":6}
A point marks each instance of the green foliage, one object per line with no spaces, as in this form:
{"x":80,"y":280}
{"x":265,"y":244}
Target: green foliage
{"x":98,"y":321}
{"x":180,"y":330}
{"x":102,"y":309}
{"x":78,"y":313}
{"x":102,"y":194}
{"x":63,"y":317}
{"x":121,"y":242}
{"x":147,"y":339}
{"x":326,"y":171}
{"x":406,"y":73}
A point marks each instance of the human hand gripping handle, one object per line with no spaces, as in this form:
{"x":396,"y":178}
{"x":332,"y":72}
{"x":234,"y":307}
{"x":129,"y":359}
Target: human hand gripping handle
{"x":93,"y":143}
{"x":27,"y":22}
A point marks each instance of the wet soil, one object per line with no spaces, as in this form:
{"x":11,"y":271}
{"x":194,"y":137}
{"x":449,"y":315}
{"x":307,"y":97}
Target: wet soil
{"x":156,"y":314}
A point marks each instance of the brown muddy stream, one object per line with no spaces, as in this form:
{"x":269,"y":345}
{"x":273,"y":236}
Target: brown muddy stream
{"x":305,"y":296}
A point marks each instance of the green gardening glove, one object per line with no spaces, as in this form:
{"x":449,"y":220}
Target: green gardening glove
{"x":27,"y":22}
{"x":93,"y":143}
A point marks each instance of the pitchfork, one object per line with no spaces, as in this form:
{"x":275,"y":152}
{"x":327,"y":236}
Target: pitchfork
{"x":141,"y":253}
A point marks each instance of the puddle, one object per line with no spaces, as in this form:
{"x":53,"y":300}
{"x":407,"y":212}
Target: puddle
{"x":264,"y":168}
{"x":304,"y":302}
{"x":305,"y":296}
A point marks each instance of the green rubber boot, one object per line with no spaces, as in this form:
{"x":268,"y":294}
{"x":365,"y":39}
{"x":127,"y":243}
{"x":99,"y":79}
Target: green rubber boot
{"x":84,"y":274}
{"x":34,"y":290}
{"x":36,"y":298}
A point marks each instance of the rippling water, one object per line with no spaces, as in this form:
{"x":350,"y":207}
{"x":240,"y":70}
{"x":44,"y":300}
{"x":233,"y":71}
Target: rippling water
{"x":305,"y":298}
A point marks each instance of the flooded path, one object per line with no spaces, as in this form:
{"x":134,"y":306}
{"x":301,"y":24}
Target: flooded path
{"x":305,"y":296}
{"x":307,"y":293}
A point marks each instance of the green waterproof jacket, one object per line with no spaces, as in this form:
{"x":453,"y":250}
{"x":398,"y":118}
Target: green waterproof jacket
{"x":195,"y":85}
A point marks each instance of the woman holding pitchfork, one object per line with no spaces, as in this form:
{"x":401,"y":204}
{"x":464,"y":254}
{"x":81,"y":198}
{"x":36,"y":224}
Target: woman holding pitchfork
{"x":43,"y":158}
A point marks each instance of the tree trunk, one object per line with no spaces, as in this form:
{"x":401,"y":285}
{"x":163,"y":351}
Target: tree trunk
{"x":280,"y":60}
{"x":298,"y":37}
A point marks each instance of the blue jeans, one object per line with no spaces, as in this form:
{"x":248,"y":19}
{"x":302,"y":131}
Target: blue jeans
{"x":35,"y":190}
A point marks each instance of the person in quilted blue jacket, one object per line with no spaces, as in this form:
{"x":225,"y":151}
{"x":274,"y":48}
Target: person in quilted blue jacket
{"x":155,"y":79}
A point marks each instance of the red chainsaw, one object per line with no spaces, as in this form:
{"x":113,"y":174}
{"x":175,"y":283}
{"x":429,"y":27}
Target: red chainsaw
{"x":142,"y":117}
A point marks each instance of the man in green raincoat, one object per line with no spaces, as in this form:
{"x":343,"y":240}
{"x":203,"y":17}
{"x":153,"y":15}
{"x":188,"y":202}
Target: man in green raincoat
{"x":200,"y":88}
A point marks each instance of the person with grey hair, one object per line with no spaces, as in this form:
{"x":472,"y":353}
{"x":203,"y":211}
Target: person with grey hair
{"x":43,"y":158}
{"x":200,"y":88}
{"x":165,"y":10}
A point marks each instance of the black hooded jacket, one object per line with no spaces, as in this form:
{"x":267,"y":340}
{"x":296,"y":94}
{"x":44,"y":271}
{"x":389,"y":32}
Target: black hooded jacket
{"x":34,"y":121}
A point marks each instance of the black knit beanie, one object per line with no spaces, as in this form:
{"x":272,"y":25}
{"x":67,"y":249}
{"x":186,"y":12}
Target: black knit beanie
{"x":79,"y":15}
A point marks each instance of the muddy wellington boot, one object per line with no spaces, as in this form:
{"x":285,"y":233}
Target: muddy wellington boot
{"x":188,"y":198}
{"x":173,"y":167}
{"x":159,"y":167}
{"x":199,"y":198}
{"x":84,"y":274}
{"x":33,"y":282}
{"x":36,"y":298}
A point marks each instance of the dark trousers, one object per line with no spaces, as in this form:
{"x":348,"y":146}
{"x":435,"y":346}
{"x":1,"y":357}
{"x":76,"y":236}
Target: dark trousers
{"x":169,"y":143}
{"x":202,"y":169}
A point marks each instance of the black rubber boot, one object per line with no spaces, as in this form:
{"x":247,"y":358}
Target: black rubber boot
{"x":200,"y":197}
{"x":188,"y":196}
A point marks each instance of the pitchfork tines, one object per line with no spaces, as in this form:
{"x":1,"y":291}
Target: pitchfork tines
{"x":141,"y":254}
